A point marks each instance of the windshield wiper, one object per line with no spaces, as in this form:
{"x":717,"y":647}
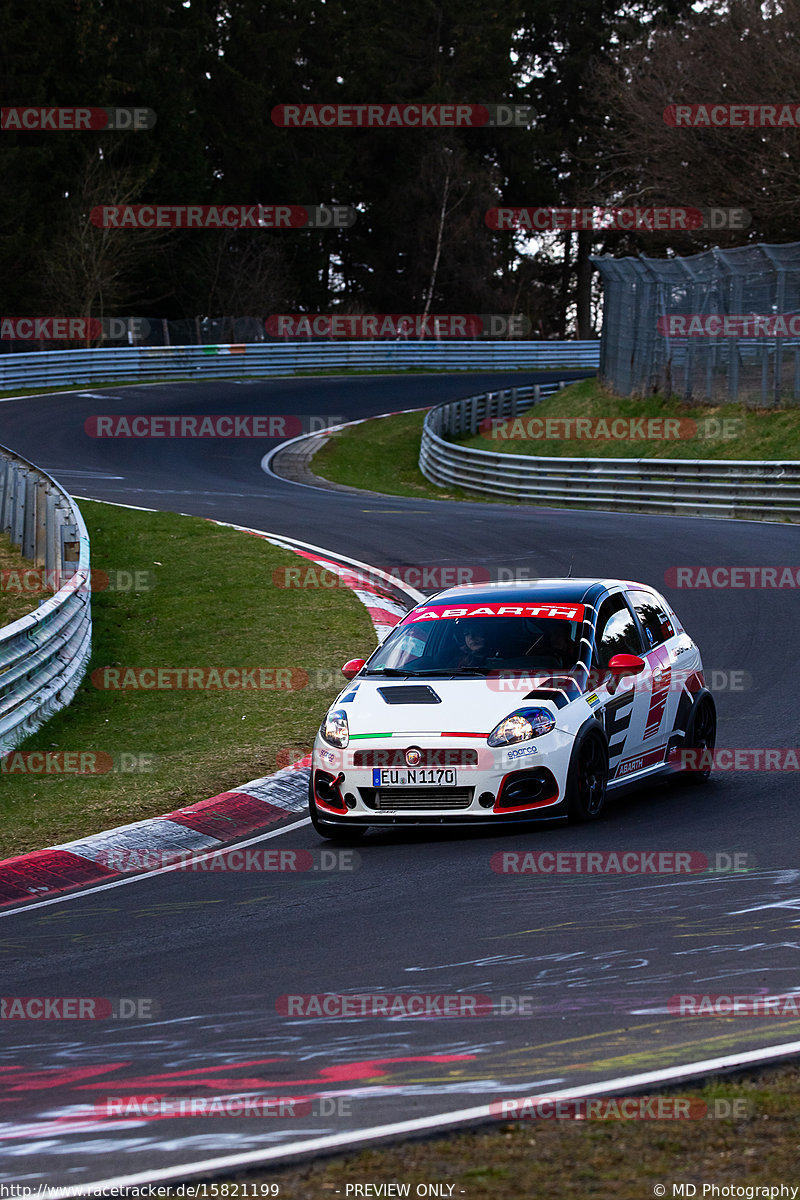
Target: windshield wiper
{"x":471,"y":670}
{"x":386,"y":671}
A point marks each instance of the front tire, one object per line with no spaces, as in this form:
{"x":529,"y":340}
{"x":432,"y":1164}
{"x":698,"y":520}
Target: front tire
{"x":331,"y":830}
{"x":587,"y":777}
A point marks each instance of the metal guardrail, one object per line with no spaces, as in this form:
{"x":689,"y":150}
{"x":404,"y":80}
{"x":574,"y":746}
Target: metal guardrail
{"x":43,"y":656}
{"x":132,"y":363}
{"x":716,"y":487}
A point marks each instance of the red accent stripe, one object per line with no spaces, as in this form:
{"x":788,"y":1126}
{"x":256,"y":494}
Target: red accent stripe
{"x":46,"y":871}
{"x":382,"y":616}
{"x":227,"y":815}
{"x":454,"y":733}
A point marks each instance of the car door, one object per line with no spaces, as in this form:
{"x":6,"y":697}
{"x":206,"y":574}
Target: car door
{"x":664,"y":691}
{"x":626,"y":702}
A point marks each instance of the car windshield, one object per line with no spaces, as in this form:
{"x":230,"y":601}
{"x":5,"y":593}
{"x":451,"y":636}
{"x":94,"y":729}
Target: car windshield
{"x":478,"y":645}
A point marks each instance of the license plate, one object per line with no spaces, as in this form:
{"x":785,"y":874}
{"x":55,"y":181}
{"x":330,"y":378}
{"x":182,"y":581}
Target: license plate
{"x":414,"y":777}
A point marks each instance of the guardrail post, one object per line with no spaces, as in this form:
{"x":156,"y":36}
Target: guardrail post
{"x":29,"y":517}
{"x":18,"y":502}
{"x":53,"y":540}
{"x":40,"y":528}
{"x":70,"y":549}
{"x":5,"y":483}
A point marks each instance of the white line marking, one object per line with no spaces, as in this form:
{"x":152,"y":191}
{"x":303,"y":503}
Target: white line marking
{"x":440,"y":1121}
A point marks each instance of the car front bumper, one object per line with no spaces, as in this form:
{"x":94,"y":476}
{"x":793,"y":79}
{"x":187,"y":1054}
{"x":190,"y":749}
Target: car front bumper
{"x":468,"y":782}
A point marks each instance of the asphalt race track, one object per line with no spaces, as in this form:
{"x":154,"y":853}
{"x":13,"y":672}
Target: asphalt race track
{"x":597,"y":956}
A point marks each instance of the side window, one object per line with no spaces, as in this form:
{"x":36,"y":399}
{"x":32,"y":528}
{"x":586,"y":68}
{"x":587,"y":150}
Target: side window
{"x":654,"y":620}
{"x":616,"y":631}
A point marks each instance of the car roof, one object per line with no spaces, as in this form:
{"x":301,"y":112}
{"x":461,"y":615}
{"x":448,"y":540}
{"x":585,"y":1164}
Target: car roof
{"x":585,"y":591}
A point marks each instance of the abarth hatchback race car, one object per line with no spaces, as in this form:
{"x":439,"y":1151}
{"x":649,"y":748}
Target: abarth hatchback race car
{"x":504,"y":703}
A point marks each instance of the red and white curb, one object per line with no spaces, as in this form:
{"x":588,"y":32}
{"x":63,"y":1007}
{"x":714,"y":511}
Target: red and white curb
{"x":224,"y":818}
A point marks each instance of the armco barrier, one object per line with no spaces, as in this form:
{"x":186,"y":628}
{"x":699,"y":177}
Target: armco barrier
{"x":43,"y":656}
{"x":717,"y":487}
{"x":49,"y":368}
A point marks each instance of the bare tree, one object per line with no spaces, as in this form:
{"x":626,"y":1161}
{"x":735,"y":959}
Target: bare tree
{"x":743,"y":53}
{"x":237,"y":272}
{"x":89,"y":271}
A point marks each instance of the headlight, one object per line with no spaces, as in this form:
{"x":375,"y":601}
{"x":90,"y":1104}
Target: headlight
{"x":522,"y":725}
{"x":334,"y":728}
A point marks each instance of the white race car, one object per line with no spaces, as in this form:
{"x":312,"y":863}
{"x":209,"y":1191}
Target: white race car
{"x":502,"y":703}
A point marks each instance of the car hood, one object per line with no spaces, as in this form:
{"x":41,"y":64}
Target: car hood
{"x":433,"y":705}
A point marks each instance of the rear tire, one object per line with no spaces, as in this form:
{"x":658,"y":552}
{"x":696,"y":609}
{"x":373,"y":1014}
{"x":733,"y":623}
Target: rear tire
{"x":701,"y":734}
{"x":332,"y":830}
{"x":587,"y":777}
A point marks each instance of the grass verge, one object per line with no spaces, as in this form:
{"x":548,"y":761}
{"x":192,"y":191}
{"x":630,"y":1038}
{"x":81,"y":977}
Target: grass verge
{"x":16,"y":597}
{"x":382,"y":455}
{"x":707,"y":431}
{"x":206,"y":599}
{"x":582,"y":1160}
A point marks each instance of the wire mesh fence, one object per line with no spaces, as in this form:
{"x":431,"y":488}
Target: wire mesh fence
{"x":721,"y":325}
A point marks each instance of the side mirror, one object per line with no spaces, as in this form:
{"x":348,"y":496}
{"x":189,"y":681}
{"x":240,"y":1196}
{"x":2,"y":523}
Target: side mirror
{"x":626,"y":664}
{"x":351,"y":668}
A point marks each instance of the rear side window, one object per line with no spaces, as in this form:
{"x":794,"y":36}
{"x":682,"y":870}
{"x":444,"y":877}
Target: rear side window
{"x":653,"y":617}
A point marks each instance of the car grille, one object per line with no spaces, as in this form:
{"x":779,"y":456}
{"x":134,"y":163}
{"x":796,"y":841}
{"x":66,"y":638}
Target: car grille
{"x":411,"y":798}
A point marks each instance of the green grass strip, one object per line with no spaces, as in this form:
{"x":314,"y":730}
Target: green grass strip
{"x":206,"y":599}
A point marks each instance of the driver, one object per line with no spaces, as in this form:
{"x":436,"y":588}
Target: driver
{"x":561,"y":645}
{"x":475,"y":649}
